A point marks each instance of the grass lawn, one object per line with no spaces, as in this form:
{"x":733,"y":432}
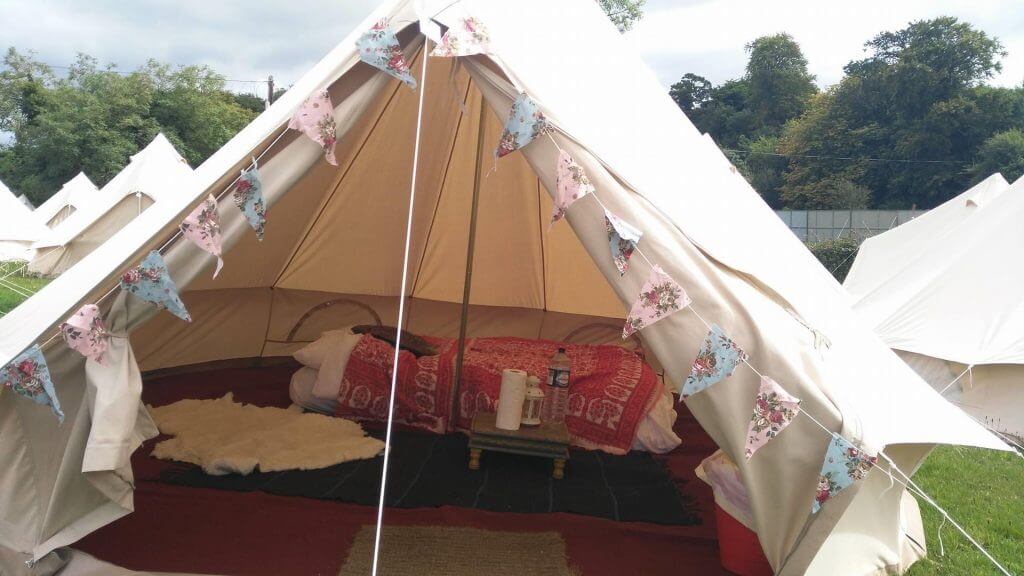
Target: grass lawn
{"x":984,"y":491}
{"x":9,"y":298}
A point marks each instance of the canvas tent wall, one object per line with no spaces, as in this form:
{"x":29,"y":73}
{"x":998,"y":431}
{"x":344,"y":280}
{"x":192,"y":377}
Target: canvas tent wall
{"x":340,"y":232}
{"x":955,"y":302}
{"x":881,"y":257}
{"x":18,"y":229}
{"x":76,"y":194}
{"x":154,"y":174}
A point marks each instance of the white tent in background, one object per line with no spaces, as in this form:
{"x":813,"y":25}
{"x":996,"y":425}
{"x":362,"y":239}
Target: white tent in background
{"x":18,"y":229}
{"x":883,"y":256}
{"x":28,"y":203}
{"x":341,"y":231}
{"x":155,"y":174}
{"x":954,"y":299}
{"x":76,"y":194}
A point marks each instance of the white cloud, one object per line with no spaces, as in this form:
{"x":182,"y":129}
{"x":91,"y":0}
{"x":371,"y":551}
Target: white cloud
{"x":249,"y":39}
{"x":707,"y":38}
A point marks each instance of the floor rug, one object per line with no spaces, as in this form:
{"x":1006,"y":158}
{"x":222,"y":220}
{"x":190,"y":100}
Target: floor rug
{"x":430,"y":471}
{"x":445,"y":551}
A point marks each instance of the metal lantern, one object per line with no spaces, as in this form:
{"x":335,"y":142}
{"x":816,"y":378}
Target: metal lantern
{"x":534,"y":400}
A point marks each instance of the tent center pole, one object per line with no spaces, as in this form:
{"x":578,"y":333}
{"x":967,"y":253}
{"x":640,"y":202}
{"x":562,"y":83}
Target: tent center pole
{"x":468,"y":283}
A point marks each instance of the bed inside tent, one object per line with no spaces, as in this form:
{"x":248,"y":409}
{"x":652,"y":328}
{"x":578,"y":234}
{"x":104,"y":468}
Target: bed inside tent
{"x":484,"y":268}
{"x":331,"y":257}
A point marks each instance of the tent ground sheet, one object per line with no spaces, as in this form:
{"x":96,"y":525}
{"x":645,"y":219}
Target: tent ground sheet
{"x":187,"y":529}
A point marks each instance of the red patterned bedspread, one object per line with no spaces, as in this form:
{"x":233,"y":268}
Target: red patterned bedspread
{"x":611,"y":390}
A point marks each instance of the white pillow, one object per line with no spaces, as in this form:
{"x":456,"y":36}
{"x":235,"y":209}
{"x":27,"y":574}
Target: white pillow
{"x":313,"y":354}
{"x":332,"y":369}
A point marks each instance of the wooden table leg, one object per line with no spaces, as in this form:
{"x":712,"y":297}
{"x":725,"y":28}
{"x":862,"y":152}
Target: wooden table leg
{"x":474,"y":458}
{"x":559,"y":471}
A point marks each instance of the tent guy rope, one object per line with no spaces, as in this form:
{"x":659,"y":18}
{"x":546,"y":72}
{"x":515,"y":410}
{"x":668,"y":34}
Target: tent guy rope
{"x":401,"y":310}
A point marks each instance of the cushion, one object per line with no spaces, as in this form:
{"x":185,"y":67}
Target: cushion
{"x":313,"y":354}
{"x":410,"y":342}
{"x":328,"y":378}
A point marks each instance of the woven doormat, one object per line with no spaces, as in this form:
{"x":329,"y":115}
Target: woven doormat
{"x":444,"y":551}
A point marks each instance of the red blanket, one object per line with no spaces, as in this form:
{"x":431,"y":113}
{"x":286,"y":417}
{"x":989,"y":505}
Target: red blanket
{"x":611,"y":390}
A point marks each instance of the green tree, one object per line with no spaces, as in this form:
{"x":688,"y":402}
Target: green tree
{"x":780,"y":85}
{"x":95,"y":118}
{"x":905,"y":121}
{"x":623,"y":13}
{"x":691,"y":92}
{"x":1003,"y":153}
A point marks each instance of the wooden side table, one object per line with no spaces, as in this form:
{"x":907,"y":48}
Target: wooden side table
{"x":545,"y":441}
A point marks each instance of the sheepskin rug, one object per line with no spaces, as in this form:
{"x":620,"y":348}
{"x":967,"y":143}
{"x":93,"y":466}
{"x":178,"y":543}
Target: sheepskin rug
{"x":226,"y":437}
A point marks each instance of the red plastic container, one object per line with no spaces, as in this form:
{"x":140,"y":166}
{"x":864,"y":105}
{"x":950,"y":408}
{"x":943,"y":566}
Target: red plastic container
{"x":738,"y":547}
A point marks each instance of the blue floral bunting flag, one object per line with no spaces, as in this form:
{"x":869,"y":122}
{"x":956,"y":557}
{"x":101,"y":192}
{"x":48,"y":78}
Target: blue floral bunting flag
{"x":844,"y":464}
{"x":379,"y":48}
{"x":525,"y":122}
{"x":28,"y":376}
{"x":248,"y":196}
{"x":717,"y":358}
{"x":151,"y":282}
{"x":622,"y":238}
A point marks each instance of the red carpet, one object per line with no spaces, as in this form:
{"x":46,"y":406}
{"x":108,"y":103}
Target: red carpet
{"x":178,"y":529}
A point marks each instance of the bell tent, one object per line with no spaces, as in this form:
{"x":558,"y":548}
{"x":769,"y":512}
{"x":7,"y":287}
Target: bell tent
{"x":18,"y":229}
{"x":952,"y":308}
{"x":155,"y":174}
{"x":479,"y":259}
{"x":76,"y":194}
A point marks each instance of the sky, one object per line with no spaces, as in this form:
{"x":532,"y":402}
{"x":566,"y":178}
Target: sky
{"x":250,"y":39}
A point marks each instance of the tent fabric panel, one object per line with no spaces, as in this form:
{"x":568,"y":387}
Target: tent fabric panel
{"x":227,"y":324}
{"x":991,"y":393}
{"x":430,"y":317}
{"x":883,"y":256}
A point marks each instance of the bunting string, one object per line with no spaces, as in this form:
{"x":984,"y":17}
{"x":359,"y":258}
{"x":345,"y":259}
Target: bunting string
{"x":903,"y":480}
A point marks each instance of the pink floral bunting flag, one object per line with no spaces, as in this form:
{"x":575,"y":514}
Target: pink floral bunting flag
{"x":660,"y":297}
{"x":202,"y":227}
{"x":466,"y":38}
{"x":315,"y":119}
{"x":84,"y":333}
{"x":774,"y":409}
{"x":844,"y":464}
{"x":28,"y":376}
{"x":379,"y":48}
{"x":571,"y":184}
{"x":622,"y":239}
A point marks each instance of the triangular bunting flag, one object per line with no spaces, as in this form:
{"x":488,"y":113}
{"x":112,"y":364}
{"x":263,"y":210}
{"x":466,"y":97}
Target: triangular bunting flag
{"x":571,"y":184}
{"x":774,"y":409}
{"x":622,"y":239}
{"x":844,"y":464}
{"x":717,"y":358}
{"x":248,"y":196}
{"x":151,"y":282}
{"x":28,"y":376}
{"x":525,"y":122}
{"x":661,"y":296}
{"x":467,"y":38}
{"x":379,"y":48}
{"x":202,"y":227}
{"x":84,"y":333}
{"x":315,"y":119}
